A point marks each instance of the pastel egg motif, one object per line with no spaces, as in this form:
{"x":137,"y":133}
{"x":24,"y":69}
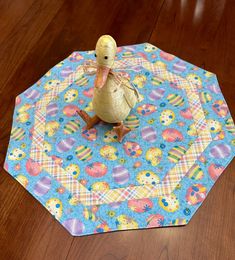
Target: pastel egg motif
{"x":220,"y":151}
{"x":196,"y":194}
{"x":215,"y":170}
{"x":110,"y":136}
{"x":81,"y":81}
{"x":52,"y":109}
{"x":205,"y":97}
{"x":70,"y":95}
{"x":172,"y":135}
{"x":32,"y":94}
{"x":100,"y":186}
{"x":23,"y":180}
{"x":149,"y":134}
{"x":141,"y":205}
{"x":195,"y":172}
{"x":146,"y":109}
{"x":175,"y":154}
{"x":88,"y":92}
{"x":96,"y":169}
{"x":214,"y":125}
{"x":179,"y":67}
{"x":167,"y":116}
{"x":220,"y":108}
{"x":175,"y":100}
{"x":125,"y":222}
{"x":132,"y":149}
{"x":214,"y":88}
{"x":109,"y":152}
{"x":16,"y":155}
{"x":75,"y":57}
{"x":89,"y":134}
{"x":155,"y":220}
{"x":17,"y":133}
{"x":186,"y":113}
{"x":70,"y":110}
{"x":120,"y":174}
{"x":153,"y":156}
{"x":55,"y":207}
{"x":83,"y":153}
{"x":42,"y":186}
{"x":178,"y":222}
{"x":132,"y":122}
{"x":73,"y":169}
{"x":66,"y":72}
{"x":156,"y":80}
{"x":195,"y":79}
{"x":166,"y":56}
{"x":156,"y":94}
{"x":169,"y":203}
{"x":147,"y":177}
{"x":33,"y":168}
{"x":74,"y":226}
{"x":192,"y":130}
{"x":230,"y":126}
{"x":71,"y":127}
{"x":65,"y":145}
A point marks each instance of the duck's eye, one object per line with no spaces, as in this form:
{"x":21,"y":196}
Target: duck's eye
{"x":106,"y":57}
{"x":95,"y":55}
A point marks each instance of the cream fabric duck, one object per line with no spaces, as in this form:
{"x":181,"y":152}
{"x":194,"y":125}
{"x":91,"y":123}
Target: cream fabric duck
{"x":114,"y":97}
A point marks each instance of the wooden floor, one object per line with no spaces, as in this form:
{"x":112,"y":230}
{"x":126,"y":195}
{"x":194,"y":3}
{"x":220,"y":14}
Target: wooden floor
{"x":34,"y":36}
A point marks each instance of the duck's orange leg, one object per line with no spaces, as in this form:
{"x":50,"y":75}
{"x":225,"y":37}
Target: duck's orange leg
{"x":121,"y":130}
{"x":90,"y":121}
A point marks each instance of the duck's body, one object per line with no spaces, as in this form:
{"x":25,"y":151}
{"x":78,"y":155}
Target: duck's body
{"x":113,"y":96}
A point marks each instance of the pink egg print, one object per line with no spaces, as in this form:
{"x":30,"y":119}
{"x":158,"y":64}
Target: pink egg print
{"x":215,"y":170}
{"x":120,"y":174}
{"x":42,"y":186}
{"x":75,"y":57}
{"x":155,"y":220}
{"x":220,"y":151}
{"x":186,"y":113}
{"x":220,"y":108}
{"x":66,"y":72}
{"x":90,"y":134}
{"x":18,"y":100}
{"x":33,"y":168}
{"x":32,"y":93}
{"x":96,"y":169}
{"x":141,"y":205}
{"x":70,"y":110}
{"x":88,"y":92}
{"x":132,"y":149}
{"x":146,"y":109}
{"x":156,"y":94}
{"x":52,"y":109}
{"x":74,"y":226}
{"x":196,"y":194}
{"x":149,"y":134}
{"x":172,"y":135}
{"x":166,"y":56}
{"x":65,"y":145}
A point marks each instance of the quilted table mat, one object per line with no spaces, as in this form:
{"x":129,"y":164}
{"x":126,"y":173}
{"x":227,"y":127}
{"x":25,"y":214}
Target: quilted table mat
{"x":182,"y":139}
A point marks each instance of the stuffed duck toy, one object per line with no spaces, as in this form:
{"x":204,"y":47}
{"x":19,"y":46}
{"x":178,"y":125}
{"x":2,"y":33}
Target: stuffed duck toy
{"x":114,"y":96}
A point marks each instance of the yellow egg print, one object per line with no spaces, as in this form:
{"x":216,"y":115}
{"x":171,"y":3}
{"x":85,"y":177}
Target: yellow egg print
{"x":110,"y":136}
{"x":55,"y":207}
{"x":100,"y":186}
{"x":50,"y":84}
{"x":153,"y":156}
{"x":109,"y":152}
{"x":74,"y":201}
{"x":169,"y":203}
{"x":167,"y":116}
{"x":147,"y":177}
{"x":194,"y":78}
{"x":73,"y":169}
{"x":22,"y":180}
{"x":126,"y":222}
{"x":51,"y":128}
{"x":46,"y":147}
{"x":214,"y":126}
{"x":89,"y":107}
{"x":16,"y":155}
{"x":70,"y":95}
{"x":149,"y":47}
{"x":139,"y":80}
{"x":22,"y":117}
{"x":192,"y":130}
{"x":24,"y":108}
{"x":160,"y":64}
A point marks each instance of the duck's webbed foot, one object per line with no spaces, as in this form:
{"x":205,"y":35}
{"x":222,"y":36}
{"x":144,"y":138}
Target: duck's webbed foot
{"x":121,"y":130}
{"x":90,"y":121}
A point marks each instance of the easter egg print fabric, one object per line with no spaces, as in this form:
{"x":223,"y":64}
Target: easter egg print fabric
{"x":182,"y":139}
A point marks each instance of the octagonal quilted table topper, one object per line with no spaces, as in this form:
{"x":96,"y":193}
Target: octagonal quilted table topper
{"x":181,"y":141}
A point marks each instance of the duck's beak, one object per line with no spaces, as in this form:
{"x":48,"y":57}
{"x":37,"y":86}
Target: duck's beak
{"x":101,"y":76}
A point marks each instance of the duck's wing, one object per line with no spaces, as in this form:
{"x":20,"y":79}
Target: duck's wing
{"x":131,"y":94}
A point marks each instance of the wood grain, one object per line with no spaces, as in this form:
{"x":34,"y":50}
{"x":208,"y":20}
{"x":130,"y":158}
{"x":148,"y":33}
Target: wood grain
{"x":34,"y":36}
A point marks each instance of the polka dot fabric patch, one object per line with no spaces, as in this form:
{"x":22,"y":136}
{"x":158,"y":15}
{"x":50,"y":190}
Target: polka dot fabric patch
{"x":182,"y":139}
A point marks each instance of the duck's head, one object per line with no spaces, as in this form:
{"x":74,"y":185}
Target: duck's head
{"x":105,"y":52}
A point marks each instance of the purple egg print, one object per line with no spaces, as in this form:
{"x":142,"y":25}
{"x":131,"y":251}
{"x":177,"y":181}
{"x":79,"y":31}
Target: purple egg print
{"x":65,"y":144}
{"x":66,"y":72}
{"x":179,"y":67}
{"x":156,"y":94}
{"x":32,"y":94}
{"x":149,"y":134}
{"x":220,"y":151}
{"x":214,"y":89}
{"x":52,"y":109}
{"x":120,"y":174}
{"x":42,"y":186}
{"x":74,"y":226}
